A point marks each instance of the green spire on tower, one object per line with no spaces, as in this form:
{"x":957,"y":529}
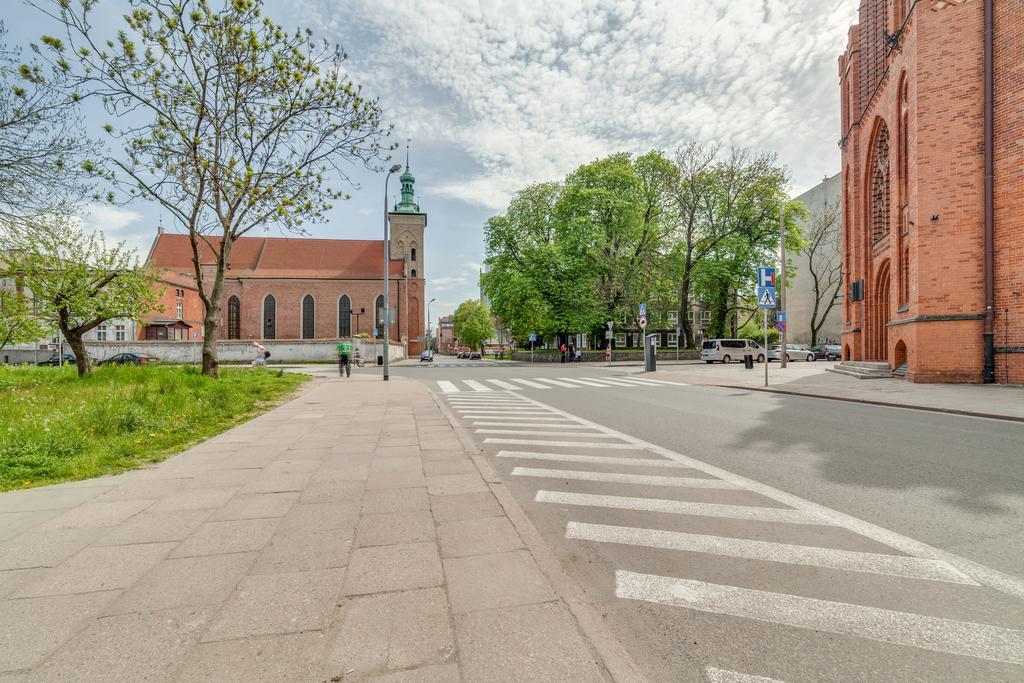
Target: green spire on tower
{"x":408,"y":203}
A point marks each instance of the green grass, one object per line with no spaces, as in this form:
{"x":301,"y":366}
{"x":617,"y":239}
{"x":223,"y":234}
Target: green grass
{"x":56,"y":427}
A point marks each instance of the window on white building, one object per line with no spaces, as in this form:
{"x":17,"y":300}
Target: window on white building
{"x":620,"y":340}
{"x":689,"y":316}
{"x":673,"y":339}
{"x":705,"y":316}
{"x":181,"y":310}
{"x":636,"y":339}
{"x":118,"y":332}
{"x":101,"y":332}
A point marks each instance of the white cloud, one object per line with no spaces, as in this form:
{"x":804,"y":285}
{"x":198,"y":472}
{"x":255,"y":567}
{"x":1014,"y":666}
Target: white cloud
{"x":441,"y":284}
{"x":529,"y":90}
{"x":111,"y":220}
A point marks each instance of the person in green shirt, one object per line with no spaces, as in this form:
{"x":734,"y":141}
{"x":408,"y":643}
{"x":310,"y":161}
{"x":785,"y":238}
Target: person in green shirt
{"x":344,"y":353}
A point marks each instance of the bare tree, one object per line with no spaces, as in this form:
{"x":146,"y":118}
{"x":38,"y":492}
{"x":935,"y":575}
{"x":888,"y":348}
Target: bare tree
{"x":824,"y":262}
{"x":243,"y":124}
{"x":41,"y":142}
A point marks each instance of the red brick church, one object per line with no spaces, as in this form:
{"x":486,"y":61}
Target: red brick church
{"x":283,"y":288}
{"x":933,"y":188}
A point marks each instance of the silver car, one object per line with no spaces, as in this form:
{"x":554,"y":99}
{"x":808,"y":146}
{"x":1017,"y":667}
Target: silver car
{"x":793,"y":352}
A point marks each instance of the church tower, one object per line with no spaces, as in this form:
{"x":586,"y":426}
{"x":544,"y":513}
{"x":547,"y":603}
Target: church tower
{"x":407,"y":226}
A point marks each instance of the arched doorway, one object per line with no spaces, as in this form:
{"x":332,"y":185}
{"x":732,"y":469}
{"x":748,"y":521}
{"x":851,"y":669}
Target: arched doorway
{"x":344,"y":316}
{"x":881,"y":307}
{"x":899,"y":354}
{"x":234,"y":318}
{"x":270,"y":317}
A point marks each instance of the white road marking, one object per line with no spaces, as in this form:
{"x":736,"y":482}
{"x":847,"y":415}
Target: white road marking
{"x":534,"y":424}
{"x":679,"y":507}
{"x":477,"y":386}
{"x":615,"y":477}
{"x":648,"y":380}
{"x":588,"y":382}
{"x":716,"y":675}
{"x":534,"y":385}
{"x":501,"y":411}
{"x":887,"y":626}
{"x":494,"y":415}
{"x":519,"y":419}
{"x":592,"y":459}
{"x":540,"y":432}
{"x":557,"y":382}
{"x":570,"y":444}
{"x":488,"y":403}
{"x":786,"y":553}
{"x":503,"y":384}
{"x":993,"y":578}
{"x":447,"y":387}
{"x":615,"y":381}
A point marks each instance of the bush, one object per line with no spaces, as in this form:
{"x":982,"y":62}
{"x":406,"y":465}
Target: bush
{"x":754,"y":332}
{"x":57,"y":427}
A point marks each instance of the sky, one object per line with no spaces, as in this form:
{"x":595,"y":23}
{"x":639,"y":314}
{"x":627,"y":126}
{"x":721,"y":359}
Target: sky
{"x":498,"y":94}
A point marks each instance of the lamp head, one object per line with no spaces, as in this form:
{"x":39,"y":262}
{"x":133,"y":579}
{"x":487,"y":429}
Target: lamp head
{"x":396,"y":168}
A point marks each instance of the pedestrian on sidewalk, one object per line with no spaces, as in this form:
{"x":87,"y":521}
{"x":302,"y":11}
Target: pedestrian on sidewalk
{"x":563,"y":348}
{"x":344,"y":352}
{"x":262,"y":354}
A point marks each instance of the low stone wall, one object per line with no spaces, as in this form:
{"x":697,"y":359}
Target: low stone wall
{"x":598,"y":356}
{"x":281,"y":350}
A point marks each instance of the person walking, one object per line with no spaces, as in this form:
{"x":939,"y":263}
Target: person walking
{"x":344,"y":353}
{"x":262,"y":354}
{"x":563,"y":348}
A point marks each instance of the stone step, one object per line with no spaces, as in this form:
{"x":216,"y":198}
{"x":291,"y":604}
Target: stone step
{"x":860,"y":373}
{"x":866,"y":364}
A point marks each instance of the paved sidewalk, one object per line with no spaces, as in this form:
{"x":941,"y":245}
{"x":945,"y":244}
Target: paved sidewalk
{"x":811,"y":379}
{"x":346,"y":535}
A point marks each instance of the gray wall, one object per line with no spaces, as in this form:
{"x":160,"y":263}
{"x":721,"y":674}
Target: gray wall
{"x":800,"y":295}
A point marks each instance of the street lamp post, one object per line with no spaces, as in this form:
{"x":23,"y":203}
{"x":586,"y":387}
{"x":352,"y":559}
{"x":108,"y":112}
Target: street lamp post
{"x":386,"y":322}
{"x":428,"y":322}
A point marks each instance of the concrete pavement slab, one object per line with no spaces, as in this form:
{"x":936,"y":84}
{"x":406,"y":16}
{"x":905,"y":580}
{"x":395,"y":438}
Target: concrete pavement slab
{"x":450,"y":484}
{"x":14,"y":523}
{"x":335,"y":515}
{"x":394,"y":480}
{"x":291,"y":658}
{"x":391,"y":528}
{"x":391,"y":631}
{"x":437,"y":673}
{"x":45,"y":548}
{"x":127,"y":648}
{"x":332,"y":491}
{"x":96,"y":513}
{"x":155,"y":527}
{"x":195,"y":499}
{"x":497,"y":580}
{"x":12,"y":579}
{"x":267,"y":604}
{"x":224,"y":477}
{"x":478,"y":537}
{"x":97,"y":569}
{"x":143,"y":489}
{"x":48,"y":498}
{"x":526,"y":643}
{"x":393,"y":568}
{"x":395,"y":500}
{"x":342,"y":471}
{"x":256,"y":506}
{"x":465,"y":506}
{"x":298,"y":550}
{"x":435,"y":468}
{"x":236,"y":536}
{"x":430,"y":454}
{"x":32,"y":628}
{"x":187,"y":582}
{"x":398,"y":463}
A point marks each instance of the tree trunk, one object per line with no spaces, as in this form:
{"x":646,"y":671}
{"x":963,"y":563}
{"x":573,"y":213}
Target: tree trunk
{"x":684,"y":316}
{"x":82,"y":360}
{"x":211,"y":367}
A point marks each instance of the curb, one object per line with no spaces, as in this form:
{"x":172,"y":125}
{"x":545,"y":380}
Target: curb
{"x":886,"y":404}
{"x":609,"y":654}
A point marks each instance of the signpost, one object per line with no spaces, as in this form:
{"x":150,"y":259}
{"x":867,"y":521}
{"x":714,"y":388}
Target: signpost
{"x":533,"y":338}
{"x":643,"y":317}
{"x":766,"y":299}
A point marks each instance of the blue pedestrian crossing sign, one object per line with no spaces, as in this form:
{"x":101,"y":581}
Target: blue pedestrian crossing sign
{"x":766,"y":297}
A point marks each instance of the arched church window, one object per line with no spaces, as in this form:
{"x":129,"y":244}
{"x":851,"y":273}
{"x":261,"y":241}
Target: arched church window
{"x":414,"y":255}
{"x":344,"y":316}
{"x":880,"y":190}
{"x":234,"y":318}
{"x":414,"y":272}
{"x":270,"y":317}
{"x":308,"y":317}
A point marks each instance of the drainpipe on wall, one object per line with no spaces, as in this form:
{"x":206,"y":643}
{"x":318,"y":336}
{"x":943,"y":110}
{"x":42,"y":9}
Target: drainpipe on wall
{"x":989,"y":370}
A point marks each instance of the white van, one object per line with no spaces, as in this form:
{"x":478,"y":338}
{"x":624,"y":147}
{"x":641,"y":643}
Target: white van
{"x":728,"y":350}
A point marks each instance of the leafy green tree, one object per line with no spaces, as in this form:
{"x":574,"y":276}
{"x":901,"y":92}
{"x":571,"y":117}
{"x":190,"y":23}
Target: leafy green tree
{"x":472,"y":323}
{"x":41,"y":142}
{"x":227,"y":120}
{"x":19,"y":323}
{"x":78,"y":281}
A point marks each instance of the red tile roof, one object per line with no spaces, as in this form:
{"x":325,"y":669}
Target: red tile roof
{"x":281,"y":257}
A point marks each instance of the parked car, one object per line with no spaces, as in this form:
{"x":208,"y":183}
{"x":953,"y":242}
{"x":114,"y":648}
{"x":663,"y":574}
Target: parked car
{"x":728,"y":350}
{"x":55,"y":359}
{"x":794,"y":352}
{"x":427,"y":356}
{"x":474,"y":355}
{"x":827,"y":351}
{"x":130,"y":359}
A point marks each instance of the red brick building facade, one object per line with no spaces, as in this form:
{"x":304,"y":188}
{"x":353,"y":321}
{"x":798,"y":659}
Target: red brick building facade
{"x":181,"y":314}
{"x":915,"y":150}
{"x":305,"y":288}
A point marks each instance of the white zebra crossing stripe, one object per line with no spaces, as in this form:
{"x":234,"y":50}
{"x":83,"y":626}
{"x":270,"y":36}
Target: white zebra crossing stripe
{"x":528,"y":383}
{"x":588,"y":382}
{"x":447,"y":387}
{"x":549,"y":425}
{"x":679,"y":507}
{"x":592,"y":459}
{"x":533,"y":418}
{"x":615,"y":477}
{"x":503,"y":384}
{"x":970,"y":639}
{"x":809,"y":556}
{"x":570,"y":444}
{"x":662,"y":382}
{"x":558,"y":382}
{"x":541,"y":432}
{"x":477,"y":386}
{"x":716,"y":675}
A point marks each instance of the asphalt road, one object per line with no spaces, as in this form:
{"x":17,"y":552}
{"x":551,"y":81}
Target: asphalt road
{"x":727,"y":533}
